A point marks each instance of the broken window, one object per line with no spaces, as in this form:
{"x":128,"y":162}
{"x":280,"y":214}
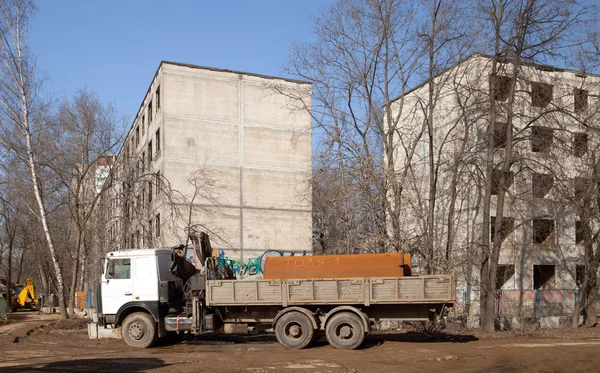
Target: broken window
{"x":541,"y":138}
{"x":580,"y":100}
{"x":506,"y":228}
{"x":541,"y":94}
{"x":582,"y":188}
{"x":500,"y":87}
{"x":543,"y":231}
{"x":544,"y":276}
{"x":582,"y":232}
{"x":541,"y":184}
{"x":157,"y":141}
{"x":579,"y":275}
{"x":157,"y":182}
{"x":149,"y":113}
{"x":157,"y":99}
{"x":504,"y":273}
{"x":500,"y":136}
{"x":580,"y":144}
{"x":158,"y":225}
{"x":496,"y":176}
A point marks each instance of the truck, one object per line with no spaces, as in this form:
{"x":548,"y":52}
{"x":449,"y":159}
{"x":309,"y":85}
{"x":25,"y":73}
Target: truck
{"x":145,"y":294}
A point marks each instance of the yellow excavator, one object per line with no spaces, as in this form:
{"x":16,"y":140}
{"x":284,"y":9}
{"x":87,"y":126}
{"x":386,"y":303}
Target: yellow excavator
{"x":24,"y":296}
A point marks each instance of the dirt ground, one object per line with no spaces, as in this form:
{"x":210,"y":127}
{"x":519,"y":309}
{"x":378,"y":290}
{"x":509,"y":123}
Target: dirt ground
{"x":33,"y":342}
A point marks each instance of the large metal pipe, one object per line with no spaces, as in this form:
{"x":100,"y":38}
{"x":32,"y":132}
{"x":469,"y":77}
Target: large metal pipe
{"x":337,"y":266}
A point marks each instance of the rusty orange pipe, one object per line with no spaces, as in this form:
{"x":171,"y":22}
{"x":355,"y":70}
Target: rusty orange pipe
{"x":336,"y":266}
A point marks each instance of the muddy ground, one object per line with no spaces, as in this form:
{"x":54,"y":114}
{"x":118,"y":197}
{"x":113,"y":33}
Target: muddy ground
{"x":33,"y":342}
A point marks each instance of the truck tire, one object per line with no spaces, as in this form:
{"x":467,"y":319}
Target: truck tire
{"x":294,"y":330}
{"x":345,"y":330}
{"x":139,"y":330}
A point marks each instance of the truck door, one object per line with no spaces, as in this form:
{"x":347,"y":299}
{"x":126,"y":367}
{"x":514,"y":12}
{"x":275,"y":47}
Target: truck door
{"x":145,"y":284}
{"x":116,"y":285}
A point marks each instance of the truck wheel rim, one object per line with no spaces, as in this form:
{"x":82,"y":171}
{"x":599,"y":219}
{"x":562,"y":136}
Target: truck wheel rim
{"x":293,"y":331}
{"x":136,"y":331}
{"x":344,"y":331}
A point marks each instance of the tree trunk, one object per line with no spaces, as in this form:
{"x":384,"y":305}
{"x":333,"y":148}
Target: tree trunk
{"x":75,"y":271}
{"x":43,"y":213}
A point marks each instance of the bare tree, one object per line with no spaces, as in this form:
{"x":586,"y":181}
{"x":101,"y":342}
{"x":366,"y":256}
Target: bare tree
{"x":86,"y":134}
{"x":19,"y":90}
{"x":365,"y":55}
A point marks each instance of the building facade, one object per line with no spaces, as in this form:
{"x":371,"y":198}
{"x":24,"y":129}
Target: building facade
{"x":219,"y":151}
{"x":550,"y":118}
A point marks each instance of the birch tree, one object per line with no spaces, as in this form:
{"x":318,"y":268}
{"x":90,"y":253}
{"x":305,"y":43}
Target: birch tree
{"x":19,"y":99}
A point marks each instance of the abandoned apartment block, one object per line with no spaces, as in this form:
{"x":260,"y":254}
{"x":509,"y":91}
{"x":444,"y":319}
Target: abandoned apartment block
{"x":542,"y":233}
{"x":221,"y":151}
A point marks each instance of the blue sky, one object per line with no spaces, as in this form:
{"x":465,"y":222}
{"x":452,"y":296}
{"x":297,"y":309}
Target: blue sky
{"x":114,"y":47}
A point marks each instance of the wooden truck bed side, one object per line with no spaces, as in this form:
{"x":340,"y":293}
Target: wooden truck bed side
{"x":366,"y":291}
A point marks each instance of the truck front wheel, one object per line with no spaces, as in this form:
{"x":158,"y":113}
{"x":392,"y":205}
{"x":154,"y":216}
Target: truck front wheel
{"x":139,"y":330}
{"x":345,"y":330}
{"x":294,"y":330}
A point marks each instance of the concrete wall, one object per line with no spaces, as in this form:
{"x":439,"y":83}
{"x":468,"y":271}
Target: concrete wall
{"x":240,"y":146}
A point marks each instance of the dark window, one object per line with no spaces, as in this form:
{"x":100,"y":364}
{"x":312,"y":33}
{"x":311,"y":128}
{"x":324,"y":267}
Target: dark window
{"x":579,"y":275}
{"x":582,"y":232}
{"x":137,"y":238}
{"x":143,"y":161}
{"x":157,"y":182}
{"x":132,"y":241}
{"x":118,"y":269}
{"x":500,"y":135}
{"x":150,"y":222}
{"x":541,"y":94}
{"x":541,"y":184}
{"x":500,"y":87}
{"x":150,"y":152}
{"x":543,"y":276}
{"x":580,"y":144}
{"x":157,"y":140}
{"x":149,"y":113}
{"x":541,"y":138}
{"x":582,"y":188}
{"x":149,"y":191}
{"x":157,"y":98}
{"x":137,"y":136}
{"x":496,"y":176}
{"x":581,"y":100}
{"x":543,"y":231}
{"x":503,"y":274}
{"x":158,"y":225}
{"x":506,"y":228}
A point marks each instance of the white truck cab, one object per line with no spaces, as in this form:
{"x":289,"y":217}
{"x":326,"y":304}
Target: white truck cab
{"x":135,"y":281}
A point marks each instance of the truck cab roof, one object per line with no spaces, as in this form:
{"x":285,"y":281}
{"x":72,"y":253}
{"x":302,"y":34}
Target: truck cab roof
{"x":138,"y":252}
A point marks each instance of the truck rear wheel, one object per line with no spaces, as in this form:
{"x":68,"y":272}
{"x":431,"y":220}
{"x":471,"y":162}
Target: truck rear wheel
{"x":294,"y":330}
{"x":139,"y":330}
{"x":345,"y":330}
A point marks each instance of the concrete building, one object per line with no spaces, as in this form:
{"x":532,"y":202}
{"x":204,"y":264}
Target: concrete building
{"x":555,"y":139}
{"x":221,"y":151}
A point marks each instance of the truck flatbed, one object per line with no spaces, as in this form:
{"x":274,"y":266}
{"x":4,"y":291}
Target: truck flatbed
{"x":357,"y":291}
